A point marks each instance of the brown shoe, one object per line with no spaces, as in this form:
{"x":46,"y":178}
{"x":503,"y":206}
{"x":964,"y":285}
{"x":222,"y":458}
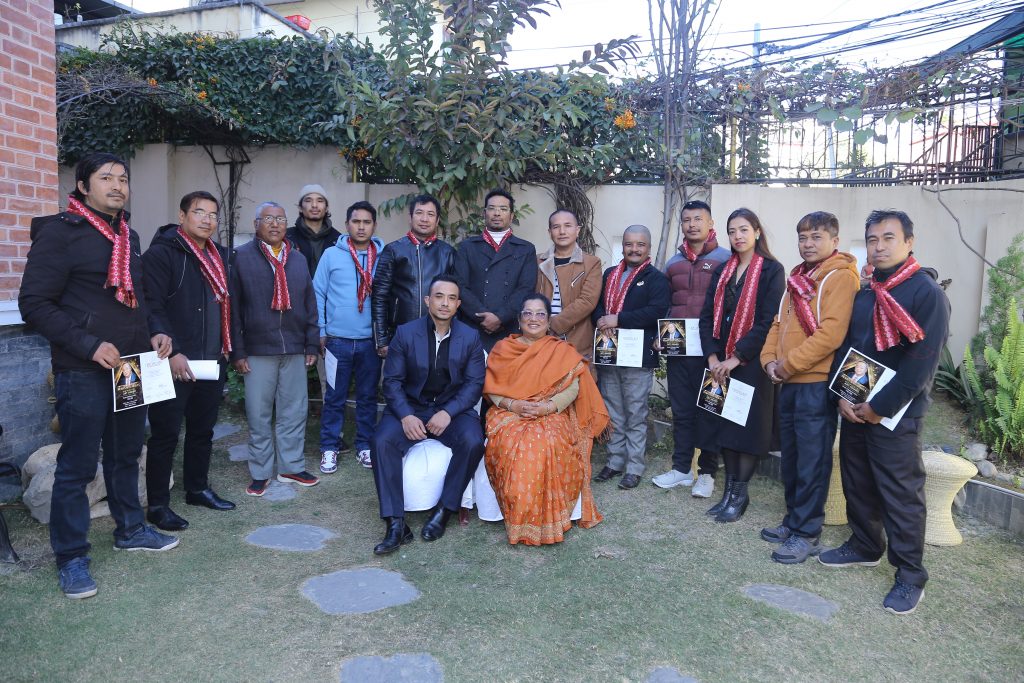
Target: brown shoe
{"x":607,"y":473}
{"x":629,"y":481}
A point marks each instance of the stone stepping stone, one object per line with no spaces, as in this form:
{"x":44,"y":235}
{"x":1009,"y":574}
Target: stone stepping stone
{"x":359,"y":591}
{"x":415,"y":668}
{"x":668,"y":674}
{"x":278,"y":491}
{"x":300,"y":538}
{"x":792,"y":600}
{"x":239,"y":453}
{"x":222,"y":429}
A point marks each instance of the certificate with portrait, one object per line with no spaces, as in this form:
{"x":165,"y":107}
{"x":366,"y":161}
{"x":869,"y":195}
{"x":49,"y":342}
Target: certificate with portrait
{"x":860,"y":378}
{"x":141,"y":379}
{"x":679,"y":337}
{"x":730,"y":399}
{"x":624,"y":348}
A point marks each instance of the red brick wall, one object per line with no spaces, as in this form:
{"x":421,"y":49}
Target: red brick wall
{"x":28,"y":131}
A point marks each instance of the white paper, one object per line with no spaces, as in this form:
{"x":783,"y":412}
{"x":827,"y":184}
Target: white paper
{"x":153,"y":384}
{"x":737,"y":403}
{"x":330,"y":367}
{"x":888,"y":422}
{"x":693,"y":347}
{"x":882,"y":379}
{"x":631,"y":349}
{"x":205,"y":369}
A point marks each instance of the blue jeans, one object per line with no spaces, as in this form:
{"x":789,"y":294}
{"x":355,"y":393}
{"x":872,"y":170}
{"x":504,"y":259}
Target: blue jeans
{"x":807,"y":430}
{"x":356,"y":358}
{"x":85,"y":408}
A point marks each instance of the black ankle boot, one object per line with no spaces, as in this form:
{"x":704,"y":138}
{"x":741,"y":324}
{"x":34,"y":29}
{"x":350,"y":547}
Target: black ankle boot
{"x":720,"y":505}
{"x":398,"y":534}
{"x":736,"y":504}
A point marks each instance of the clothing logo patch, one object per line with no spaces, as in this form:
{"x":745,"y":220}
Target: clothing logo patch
{"x":640,"y":284}
{"x":705,"y":266}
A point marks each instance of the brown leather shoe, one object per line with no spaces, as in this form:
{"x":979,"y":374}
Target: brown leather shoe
{"x":629,"y":481}
{"x":607,"y":473}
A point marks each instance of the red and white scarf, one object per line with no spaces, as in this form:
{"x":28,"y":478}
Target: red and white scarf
{"x":417,"y":241}
{"x":690,"y":254}
{"x":282,"y":301}
{"x":212,"y":267}
{"x":496,"y":245}
{"x":119,"y":274}
{"x":365,"y":285}
{"x":891,"y":320}
{"x":802,"y":287}
{"x":615,"y":289}
{"x":743,"y":318}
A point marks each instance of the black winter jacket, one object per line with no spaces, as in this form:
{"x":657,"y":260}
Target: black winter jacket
{"x":400,"y":283}
{"x":301,"y":237}
{"x":646,"y":301}
{"x":178,"y":295}
{"x":64,"y":298}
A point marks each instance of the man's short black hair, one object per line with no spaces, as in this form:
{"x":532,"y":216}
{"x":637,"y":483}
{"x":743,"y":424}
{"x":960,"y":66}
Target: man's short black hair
{"x":568,"y":211}
{"x":498,"y":192}
{"x":361,"y":206}
{"x":695,"y":205}
{"x":92,"y":163}
{"x":879,"y":215}
{"x":422,"y":199}
{"x":819,"y":219}
{"x":192,"y":197}
{"x":443,"y":278}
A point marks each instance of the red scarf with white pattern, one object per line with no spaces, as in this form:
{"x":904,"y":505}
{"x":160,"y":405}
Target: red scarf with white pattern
{"x":212,"y":267}
{"x":688,"y":251}
{"x":802,"y":287}
{"x":282,"y":301}
{"x":891,"y":320}
{"x":119,"y":274}
{"x":365,"y":285}
{"x":614,"y":292}
{"x":743,"y":319}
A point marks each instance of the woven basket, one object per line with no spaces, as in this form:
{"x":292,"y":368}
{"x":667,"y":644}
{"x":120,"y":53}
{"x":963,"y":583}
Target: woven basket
{"x":835,"y":504}
{"x":945,"y":475}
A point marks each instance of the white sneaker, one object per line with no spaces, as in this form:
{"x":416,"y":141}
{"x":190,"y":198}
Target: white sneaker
{"x":364,"y":458}
{"x":672,"y":479}
{"x":704,"y":486}
{"x":328,"y":462}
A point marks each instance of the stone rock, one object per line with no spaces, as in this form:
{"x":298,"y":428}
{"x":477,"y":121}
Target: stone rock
{"x":976,"y":451}
{"x":239,"y":453}
{"x":402,"y":668}
{"x":301,"y":538}
{"x":667,"y":674}
{"x":277,"y":492}
{"x":792,"y":600}
{"x":222,"y":429}
{"x":43,"y":459}
{"x":359,"y":591}
{"x":986,"y":469}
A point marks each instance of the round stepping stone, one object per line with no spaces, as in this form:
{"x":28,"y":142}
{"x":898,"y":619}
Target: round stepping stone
{"x":222,"y":429}
{"x":358,"y":591}
{"x":792,"y":600}
{"x":239,"y":453}
{"x":300,"y":538}
{"x":276,"y":492}
{"x":417,"y":668}
{"x":667,"y":674}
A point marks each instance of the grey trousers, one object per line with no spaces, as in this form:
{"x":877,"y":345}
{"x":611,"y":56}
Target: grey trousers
{"x":625,"y":392}
{"x":276,"y":382}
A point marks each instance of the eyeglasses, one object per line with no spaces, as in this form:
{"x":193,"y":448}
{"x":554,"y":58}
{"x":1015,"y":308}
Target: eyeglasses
{"x":498,"y":209}
{"x":535,"y":315}
{"x":268,"y":220}
{"x":204,"y":216}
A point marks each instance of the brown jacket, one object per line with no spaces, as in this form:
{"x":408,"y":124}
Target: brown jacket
{"x":809,"y":359}
{"x":579,"y":284}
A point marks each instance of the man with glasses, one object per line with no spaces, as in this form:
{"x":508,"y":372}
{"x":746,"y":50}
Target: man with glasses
{"x":186,"y":276}
{"x":275,"y":336}
{"x":495,"y":271}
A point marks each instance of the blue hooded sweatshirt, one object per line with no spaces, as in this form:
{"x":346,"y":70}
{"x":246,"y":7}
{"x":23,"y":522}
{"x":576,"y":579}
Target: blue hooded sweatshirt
{"x":335,"y":285}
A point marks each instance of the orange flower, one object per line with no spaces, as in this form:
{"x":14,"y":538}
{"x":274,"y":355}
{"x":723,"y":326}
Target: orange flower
{"x":625,"y":120}
{"x":152,"y":82}
{"x":202,"y":95}
{"x":361,"y":153}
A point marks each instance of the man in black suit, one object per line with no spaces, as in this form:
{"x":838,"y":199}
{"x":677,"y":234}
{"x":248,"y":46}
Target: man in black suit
{"x":433,"y":378}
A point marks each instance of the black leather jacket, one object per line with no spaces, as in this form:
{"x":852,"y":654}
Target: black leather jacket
{"x":403,"y":274}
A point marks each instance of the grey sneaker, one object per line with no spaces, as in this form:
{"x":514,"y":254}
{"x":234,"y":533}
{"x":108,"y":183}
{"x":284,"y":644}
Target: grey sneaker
{"x":672,"y":479}
{"x":903,"y":598}
{"x":846,"y":556}
{"x":796,"y":549}
{"x":75,"y":580}
{"x":146,"y":538}
{"x":776,"y":534}
{"x":704,"y":486}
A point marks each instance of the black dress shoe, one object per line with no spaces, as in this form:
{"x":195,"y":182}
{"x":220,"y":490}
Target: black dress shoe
{"x":629,"y":481}
{"x":398,"y":534}
{"x":208,"y":499}
{"x":607,"y":473}
{"x":435,"y":526}
{"x":163,"y":517}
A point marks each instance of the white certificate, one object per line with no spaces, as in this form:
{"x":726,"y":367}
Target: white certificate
{"x":631,"y":349}
{"x":680,"y":337}
{"x":205,"y":369}
{"x":730,"y":399}
{"x":330,"y":367}
{"x":888,"y":422}
{"x":140,"y":380}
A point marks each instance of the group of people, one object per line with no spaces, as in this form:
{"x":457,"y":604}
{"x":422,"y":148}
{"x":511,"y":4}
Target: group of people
{"x":487,"y":349}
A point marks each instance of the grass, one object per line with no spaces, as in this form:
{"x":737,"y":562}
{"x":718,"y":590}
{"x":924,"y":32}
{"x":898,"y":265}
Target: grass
{"x":656,"y":584}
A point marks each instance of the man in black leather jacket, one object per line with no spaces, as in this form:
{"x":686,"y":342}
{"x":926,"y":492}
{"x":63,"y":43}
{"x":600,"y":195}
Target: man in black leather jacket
{"x":405,"y":270}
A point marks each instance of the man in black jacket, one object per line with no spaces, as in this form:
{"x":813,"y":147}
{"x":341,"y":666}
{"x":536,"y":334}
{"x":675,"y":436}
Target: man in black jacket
{"x":406,"y":268}
{"x":187,"y":292}
{"x":82,"y":291}
{"x":901,"y":320}
{"x":634,"y":295}
{"x":495,"y":271}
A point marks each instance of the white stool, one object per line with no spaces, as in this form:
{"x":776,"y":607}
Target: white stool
{"x":480,"y":493}
{"x":423,"y":469}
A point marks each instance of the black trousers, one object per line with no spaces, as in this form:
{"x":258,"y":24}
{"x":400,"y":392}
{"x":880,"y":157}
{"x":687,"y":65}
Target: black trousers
{"x":883,"y":479}
{"x":463,"y":435}
{"x":197,"y":404}
{"x":807,"y":430}
{"x":684,"y":376}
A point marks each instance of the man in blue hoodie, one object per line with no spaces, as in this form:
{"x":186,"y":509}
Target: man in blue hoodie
{"x":343,"y":283}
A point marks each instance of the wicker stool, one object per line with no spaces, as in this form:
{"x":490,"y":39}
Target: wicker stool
{"x":945,"y":475}
{"x":835,"y":504}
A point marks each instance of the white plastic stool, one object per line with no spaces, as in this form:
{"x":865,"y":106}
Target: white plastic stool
{"x":423,"y":469}
{"x":481,"y":493}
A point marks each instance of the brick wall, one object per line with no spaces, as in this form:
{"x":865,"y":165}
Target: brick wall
{"x":28,"y":131}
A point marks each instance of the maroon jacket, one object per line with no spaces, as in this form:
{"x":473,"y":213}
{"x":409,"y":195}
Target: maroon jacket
{"x":688,"y":282}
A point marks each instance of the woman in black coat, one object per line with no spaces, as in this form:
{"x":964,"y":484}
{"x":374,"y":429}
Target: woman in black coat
{"x":741,"y":302}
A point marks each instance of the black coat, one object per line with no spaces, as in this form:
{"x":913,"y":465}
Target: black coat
{"x":495,"y":281}
{"x":401,"y":280}
{"x":64,"y":298}
{"x":299,"y":234}
{"x":178,"y":295}
{"x":647,"y":300}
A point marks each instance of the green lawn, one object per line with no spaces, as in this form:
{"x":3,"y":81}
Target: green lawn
{"x":656,"y":584}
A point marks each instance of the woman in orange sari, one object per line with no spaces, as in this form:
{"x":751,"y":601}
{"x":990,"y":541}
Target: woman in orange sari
{"x":540,"y":430}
